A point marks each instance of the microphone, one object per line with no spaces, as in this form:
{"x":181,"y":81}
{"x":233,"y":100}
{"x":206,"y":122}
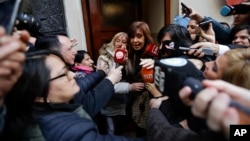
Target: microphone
{"x":169,"y":45}
{"x":234,"y":9}
{"x":169,"y":76}
{"x":196,"y":87}
{"x":151,"y":50}
{"x":172,"y":74}
{"x":120,"y":56}
{"x":147,"y":75}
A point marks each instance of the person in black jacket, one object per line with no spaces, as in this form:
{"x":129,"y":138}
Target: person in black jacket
{"x":47,"y":109}
{"x":61,"y":43}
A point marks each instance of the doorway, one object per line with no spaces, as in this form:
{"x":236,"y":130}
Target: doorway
{"x":104,"y":18}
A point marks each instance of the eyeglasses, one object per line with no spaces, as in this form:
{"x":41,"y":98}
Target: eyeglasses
{"x":62,"y":75}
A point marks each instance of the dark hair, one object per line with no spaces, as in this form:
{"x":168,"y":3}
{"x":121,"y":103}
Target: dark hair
{"x":80,"y":56}
{"x":133,"y":55}
{"x":143,"y":26}
{"x":178,"y":34}
{"x":50,"y":42}
{"x":237,"y":29}
{"x":33,"y":83}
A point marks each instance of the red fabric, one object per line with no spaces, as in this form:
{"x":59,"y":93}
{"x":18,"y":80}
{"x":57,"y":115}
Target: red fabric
{"x":233,"y":2}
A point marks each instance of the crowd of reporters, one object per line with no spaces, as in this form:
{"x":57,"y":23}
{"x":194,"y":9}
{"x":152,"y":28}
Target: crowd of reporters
{"x":42,"y":99}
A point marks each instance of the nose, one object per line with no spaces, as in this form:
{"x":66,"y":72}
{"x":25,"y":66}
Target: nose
{"x":119,"y":43}
{"x":91,"y":61}
{"x":134,"y":39}
{"x":124,"y":46}
{"x":236,"y":40}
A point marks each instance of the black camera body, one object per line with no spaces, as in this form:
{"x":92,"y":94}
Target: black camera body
{"x":28,"y":22}
{"x":172,"y":74}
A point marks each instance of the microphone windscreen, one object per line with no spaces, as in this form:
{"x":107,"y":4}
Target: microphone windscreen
{"x":169,"y":77}
{"x":151,"y":50}
{"x":170,"y":73}
{"x":225,"y":11}
{"x":120,"y":56}
{"x":147,"y":75}
{"x":235,"y":9}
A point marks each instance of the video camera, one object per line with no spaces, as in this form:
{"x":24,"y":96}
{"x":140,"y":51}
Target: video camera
{"x":172,"y":74}
{"x":28,"y":22}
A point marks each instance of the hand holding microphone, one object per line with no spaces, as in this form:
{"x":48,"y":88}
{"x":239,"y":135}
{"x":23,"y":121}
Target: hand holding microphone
{"x":197,"y":48}
{"x":221,"y":103}
{"x":170,"y":46}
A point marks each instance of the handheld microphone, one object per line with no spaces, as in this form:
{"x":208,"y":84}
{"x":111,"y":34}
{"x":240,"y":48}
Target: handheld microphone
{"x":120,"y":56}
{"x":169,"y":75}
{"x":172,"y":74}
{"x":147,"y":75}
{"x":173,"y":46}
{"x":151,"y":50}
{"x":196,"y":87}
{"x":234,"y":9}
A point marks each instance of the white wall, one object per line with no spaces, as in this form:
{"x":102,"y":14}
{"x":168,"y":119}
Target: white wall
{"x":209,"y":8}
{"x":153,"y":13}
{"x":74,"y":21}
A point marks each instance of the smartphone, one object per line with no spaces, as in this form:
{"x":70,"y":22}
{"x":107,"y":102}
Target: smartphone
{"x":205,"y":25}
{"x":8,"y":13}
{"x":185,"y":9}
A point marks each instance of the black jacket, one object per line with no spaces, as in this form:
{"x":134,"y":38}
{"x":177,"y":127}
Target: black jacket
{"x":159,"y":129}
{"x":95,"y":92}
{"x":70,"y":122}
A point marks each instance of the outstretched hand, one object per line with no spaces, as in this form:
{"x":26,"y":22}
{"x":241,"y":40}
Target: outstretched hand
{"x":12,"y":49}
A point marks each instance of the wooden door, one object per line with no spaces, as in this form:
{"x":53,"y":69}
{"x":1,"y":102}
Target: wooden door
{"x":104,"y":18}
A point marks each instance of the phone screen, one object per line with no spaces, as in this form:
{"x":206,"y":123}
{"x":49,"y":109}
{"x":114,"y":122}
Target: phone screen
{"x":8,"y":13}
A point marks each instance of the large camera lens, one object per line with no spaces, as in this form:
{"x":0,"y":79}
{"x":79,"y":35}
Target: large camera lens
{"x":28,"y":22}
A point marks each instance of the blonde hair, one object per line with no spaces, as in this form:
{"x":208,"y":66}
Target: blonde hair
{"x":117,"y":35}
{"x":238,"y":67}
